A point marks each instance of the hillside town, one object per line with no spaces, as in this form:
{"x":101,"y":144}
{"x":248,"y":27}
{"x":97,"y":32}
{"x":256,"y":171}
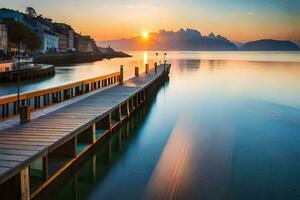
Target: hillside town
{"x":54,"y":37}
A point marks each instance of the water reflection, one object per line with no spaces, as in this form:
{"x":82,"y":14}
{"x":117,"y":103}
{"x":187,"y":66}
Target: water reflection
{"x":216,"y":130}
{"x":72,"y":73}
{"x":145,"y":57}
{"x":174,"y":166}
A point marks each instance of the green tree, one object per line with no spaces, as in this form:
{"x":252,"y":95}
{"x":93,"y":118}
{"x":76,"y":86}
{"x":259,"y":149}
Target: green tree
{"x":17,"y":32}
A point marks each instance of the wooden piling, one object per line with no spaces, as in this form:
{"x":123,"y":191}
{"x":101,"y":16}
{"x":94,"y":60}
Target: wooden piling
{"x":24,"y":184}
{"x":146,"y":68}
{"x":45,"y":167}
{"x":121,"y":75}
{"x":93,"y":129}
{"x":136,"y":71}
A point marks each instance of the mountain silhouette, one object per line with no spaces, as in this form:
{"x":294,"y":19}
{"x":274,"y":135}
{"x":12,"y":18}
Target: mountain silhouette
{"x":193,"y":40}
{"x":182,"y":40}
{"x":270,"y":45}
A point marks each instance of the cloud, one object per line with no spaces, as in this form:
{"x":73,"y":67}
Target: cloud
{"x":251,"y":13}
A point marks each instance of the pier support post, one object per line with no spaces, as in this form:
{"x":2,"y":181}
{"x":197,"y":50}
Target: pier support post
{"x":45,"y":167}
{"x":132,"y":104}
{"x":109,"y":122}
{"x":94,"y":132}
{"x":121,"y":75}
{"x":146,"y":68}
{"x":136,"y":71}
{"x":155,"y":67}
{"x":118,"y":114}
{"x":24,"y":183}
{"x":127,"y":108}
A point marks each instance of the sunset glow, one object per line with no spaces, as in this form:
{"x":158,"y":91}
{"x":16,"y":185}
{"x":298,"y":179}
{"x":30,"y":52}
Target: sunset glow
{"x":236,"y":20}
{"x":145,"y":35}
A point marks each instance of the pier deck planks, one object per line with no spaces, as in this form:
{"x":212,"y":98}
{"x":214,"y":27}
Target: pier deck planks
{"x":22,"y":144}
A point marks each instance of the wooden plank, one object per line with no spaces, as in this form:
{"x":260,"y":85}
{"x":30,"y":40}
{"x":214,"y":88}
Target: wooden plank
{"x":21,"y":147}
{"x":18,"y":152}
{"x":18,"y":158}
{"x":25,"y":136}
{"x":10,"y":164}
{"x":3,"y":169}
{"x":32,"y":139}
{"x":25,"y":143}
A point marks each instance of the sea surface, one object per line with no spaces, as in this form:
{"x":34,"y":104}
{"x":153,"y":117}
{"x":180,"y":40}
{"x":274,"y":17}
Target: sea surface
{"x":226,"y":125}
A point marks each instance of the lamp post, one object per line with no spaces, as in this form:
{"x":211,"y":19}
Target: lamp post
{"x":155,"y":64}
{"x":165,"y":54}
{"x":18,"y":77}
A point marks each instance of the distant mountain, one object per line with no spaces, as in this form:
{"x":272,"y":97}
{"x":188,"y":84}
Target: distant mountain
{"x":270,"y":45}
{"x":238,"y":44}
{"x":182,"y":40}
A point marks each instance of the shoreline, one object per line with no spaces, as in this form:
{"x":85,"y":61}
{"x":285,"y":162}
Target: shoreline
{"x":76,"y":57}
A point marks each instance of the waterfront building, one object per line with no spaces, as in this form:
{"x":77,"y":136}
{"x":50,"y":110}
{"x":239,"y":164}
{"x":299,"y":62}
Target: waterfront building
{"x":55,"y":37}
{"x":66,"y":37}
{"x":43,"y":27}
{"x":63,"y":38}
{"x":85,"y":43}
{"x":50,"y":42}
{"x":71,"y":40}
{"x":78,"y":42}
{"x":3,"y":38}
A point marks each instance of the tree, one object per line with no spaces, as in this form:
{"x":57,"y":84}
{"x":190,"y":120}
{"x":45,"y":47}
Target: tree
{"x":17,"y":33}
{"x":31,"y":12}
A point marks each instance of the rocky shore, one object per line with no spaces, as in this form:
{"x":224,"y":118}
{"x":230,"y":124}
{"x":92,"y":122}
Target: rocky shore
{"x":76,"y":57}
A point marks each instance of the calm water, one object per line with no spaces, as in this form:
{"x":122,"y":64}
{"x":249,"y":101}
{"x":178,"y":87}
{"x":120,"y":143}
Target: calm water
{"x":72,"y":73}
{"x":224,"y":126}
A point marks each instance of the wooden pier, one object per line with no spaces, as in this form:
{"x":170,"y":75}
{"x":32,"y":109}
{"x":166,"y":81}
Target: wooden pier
{"x":47,"y":97}
{"x":32,"y":155}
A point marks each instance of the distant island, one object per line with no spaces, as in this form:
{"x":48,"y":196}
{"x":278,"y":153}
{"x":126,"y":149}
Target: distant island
{"x":193,"y":40}
{"x":269,"y":45}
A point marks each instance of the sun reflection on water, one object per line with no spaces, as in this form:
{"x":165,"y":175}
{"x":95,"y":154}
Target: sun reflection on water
{"x":145,"y":57}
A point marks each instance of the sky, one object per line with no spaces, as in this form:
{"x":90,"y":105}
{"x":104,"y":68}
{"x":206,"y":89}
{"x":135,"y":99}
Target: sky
{"x":238,"y":20}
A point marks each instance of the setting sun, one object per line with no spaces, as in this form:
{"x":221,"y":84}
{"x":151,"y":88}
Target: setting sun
{"x":145,"y":35}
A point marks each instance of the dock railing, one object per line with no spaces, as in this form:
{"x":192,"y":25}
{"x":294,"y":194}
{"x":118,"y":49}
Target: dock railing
{"x":42,"y":98}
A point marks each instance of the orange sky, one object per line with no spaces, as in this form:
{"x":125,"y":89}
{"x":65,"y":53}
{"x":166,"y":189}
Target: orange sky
{"x":115,"y":19}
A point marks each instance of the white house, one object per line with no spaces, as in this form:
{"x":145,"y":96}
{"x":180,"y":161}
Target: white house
{"x":50,"y":43}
